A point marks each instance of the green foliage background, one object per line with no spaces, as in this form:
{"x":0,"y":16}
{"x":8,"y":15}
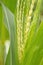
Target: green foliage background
{"x":10,"y":18}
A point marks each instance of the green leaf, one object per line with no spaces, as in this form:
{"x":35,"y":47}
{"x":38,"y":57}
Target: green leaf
{"x":0,"y":20}
{"x":1,"y":53}
{"x":3,"y":30}
{"x":11,"y":26}
{"x":7,"y":61}
{"x":11,"y":4}
{"x":3,"y":37}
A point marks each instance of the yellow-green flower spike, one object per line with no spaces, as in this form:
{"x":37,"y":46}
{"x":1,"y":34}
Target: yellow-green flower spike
{"x":28,"y":20}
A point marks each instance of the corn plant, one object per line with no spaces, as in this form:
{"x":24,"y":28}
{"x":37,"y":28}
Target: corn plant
{"x":21,"y":22}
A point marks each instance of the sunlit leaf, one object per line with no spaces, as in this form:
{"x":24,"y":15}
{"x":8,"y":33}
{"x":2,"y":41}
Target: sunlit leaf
{"x":11,"y":26}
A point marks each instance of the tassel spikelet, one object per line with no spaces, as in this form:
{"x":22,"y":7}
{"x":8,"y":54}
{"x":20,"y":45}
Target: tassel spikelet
{"x":23,"y":19}
{"x":19,"y":28}
{"x":20,"y":15}
{"x":28,"y":21}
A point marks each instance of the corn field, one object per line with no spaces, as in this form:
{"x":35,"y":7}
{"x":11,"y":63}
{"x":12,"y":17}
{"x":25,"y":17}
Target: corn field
{"x":21,"y":32}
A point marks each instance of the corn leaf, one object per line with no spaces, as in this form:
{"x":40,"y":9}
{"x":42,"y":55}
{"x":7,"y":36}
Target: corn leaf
{"x":10,"y":25}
